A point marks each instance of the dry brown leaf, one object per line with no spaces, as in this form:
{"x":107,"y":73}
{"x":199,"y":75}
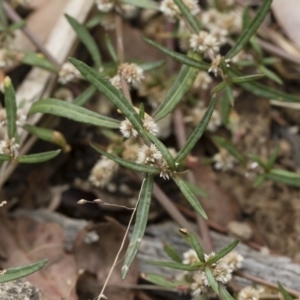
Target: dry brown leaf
{"x":287,"y":15}
{"x":41,"y":21}
{"x":24,"y":241}
{"x":220,"y":206}
{"x":97,"y":258}
{"x":141,"y":51}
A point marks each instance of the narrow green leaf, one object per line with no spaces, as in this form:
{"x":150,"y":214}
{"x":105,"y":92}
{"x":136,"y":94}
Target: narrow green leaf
{"x":128,"y":164}
{"x":175,"y":265}
{"x":198,"y":132}
{"x":3,"y":18}
{"x":224,"y":293}
{"x":259,"y":180}
{"x":114,"y":95}
{"x":86,"y":38}
{"x":286,"y":177}
{"x":223,"y":252}
{"x":172,"y":253}
{"x":246,"y":17}
{"x":257,"y":48}
{"x":250,"y":30}
{"x":189,"y":18}
{"x":38,"y":157}
{"x":258,"y":160}
{"x":270,"y":60}
{"x":273,"y":157}
{"x":190,"y":197}
{"x":48,"y":135}
{"x":248,"y":78}
{"x":230,"y":148}
{"x":221,"y":86}
{"x":10,"y":107}
{"x":164,"y":151}
{"x":20,"y":272}
{"x":37,"y":60}
{"x":16,"y":25}
{"x":148,"y":4}
{"x":111,"y":49}
{"x":227,"y":99}
{"x":211,"y":279}
{"x":196,"y":190}
{"x":284,"y":293}
{"x":152,"y":65}
{"x":85,"y":96}
{"x":191,"y":239}
{"x":95,"y":20}
{"x":4,"y":157}
{"x":270,"y":74}
{"x":163,"y":281}
{"x":181,"y":85}
{"x":140,"y":223}
{"x":179,"y":57}
{"x":73,"y":112}
{"x":264,"y":91}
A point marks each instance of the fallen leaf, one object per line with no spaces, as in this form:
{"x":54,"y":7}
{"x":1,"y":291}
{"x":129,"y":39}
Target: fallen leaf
{"x":96,"y":257}
{"x":287,"y":15}
{"x":25,"y":241}
{"x":41,"y":21}
{"x":220,"y":206}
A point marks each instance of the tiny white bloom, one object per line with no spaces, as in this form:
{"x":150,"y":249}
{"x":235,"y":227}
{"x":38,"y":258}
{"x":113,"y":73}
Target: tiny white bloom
{"x":67,"y":73}
{"x":132,"y":73}
{"x":197,"y":287}
{"x":148,"y":155}
{"x":224,"y":161}
{"x":127,"y":129}
{"x":116,"y":82}
{"x":104,"y":5}
{"x":215,"y":65}
{"x":9,"y":147}
{"x":233,"y":260}
{"x":171,"y":10}
{"x":190,"y":257}
{"x":249,"y":293}
{"x":202,"y":81}
{"x":103,"y":172}
{"x":197,"y":41}
{"x":150,"y":125}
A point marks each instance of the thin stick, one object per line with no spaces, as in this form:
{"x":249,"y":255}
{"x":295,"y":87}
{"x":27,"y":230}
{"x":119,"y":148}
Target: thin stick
{"x":181,"y":140}
{"x":13,"y":16}
{"x":12,"y":166}
{"x":265,"y":282}
{"x":120,"y":50}
{"x":101,"y":295}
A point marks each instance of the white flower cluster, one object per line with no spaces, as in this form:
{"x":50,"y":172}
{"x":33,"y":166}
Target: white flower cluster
{"x":150,"y":155}
{"x":250,"y":293}
{"x":21,"y":118}
{"x":224,"y":161}
{"x":110,"y":7}
{"x":205,"y":43}
{"x":222,"y":270}
{"x":128,"y":131}
{"x":229,"y":22}
{"x":196,"y":114}
{"x":131,"y":73}
{"x":171,"y":10}
{"x":67,"y":73}
{"x":9,"y":147}
{"x":103,"y":171}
